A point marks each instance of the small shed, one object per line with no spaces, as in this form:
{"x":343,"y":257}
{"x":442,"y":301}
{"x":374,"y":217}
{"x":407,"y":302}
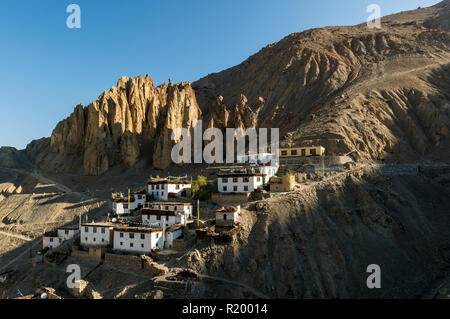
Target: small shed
{"x":227,"y":216}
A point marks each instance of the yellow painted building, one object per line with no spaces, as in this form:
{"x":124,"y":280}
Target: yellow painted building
{"x":301,"y":151}
{"x":282,"y":184}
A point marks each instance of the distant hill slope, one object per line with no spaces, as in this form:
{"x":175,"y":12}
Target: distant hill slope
{"x":382,"y":92}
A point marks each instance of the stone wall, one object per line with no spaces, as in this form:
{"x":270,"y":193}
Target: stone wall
{"x":219,"y":198}
{"x":123,"y":260}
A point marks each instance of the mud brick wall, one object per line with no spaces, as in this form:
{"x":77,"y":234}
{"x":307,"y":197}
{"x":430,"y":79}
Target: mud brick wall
{"x":229,"y":197}
{"x":123,"y":260}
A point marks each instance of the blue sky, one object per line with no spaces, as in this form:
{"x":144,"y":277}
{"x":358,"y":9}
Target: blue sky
{"x":47,"y":68}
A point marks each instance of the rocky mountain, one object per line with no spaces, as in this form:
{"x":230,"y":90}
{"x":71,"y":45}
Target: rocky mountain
{"x":317,"y":242}
{"x":119,"y":126}
{"x":381,"y":92}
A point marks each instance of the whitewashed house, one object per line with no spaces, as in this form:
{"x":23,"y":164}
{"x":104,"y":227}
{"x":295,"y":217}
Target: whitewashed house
{"x":175,"y":206}
{"x":120,"y":202}
{"x":257,"y":158}
{"x":227,"y":216}
{"x":166,"y":188}
{"x":51,"y":239}
{"x":163,"y":217}
{"x":96,"y":234}
{"x":241,"y":179}
{"x":67,"y":232}
{"x":137,"y":239}
{"x":172,"y":233}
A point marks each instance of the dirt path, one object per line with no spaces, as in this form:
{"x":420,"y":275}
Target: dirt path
{"x":26,"y":251}
{"x":15,"y":236}
{"x":365,"y":84}
{"x":47,"y":181}
{"x":236,"y":283}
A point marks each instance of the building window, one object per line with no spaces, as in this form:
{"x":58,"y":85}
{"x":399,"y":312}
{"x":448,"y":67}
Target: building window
{"x":85,"y":238}
{"x":103,"y":230}
{"x":235,"y":188}
{"x":94,"y":239}
{"x":142,"y":245}
{"x":294,"y":152}
{"x":131,"y":235}
{"x":103,"y":240}
{"x":153,"y":187}
{"x":158,"y":217}
{"x":303,"y":152}
{"x":51,"y":240}
{"x":125,"y":206}
{"x":66,"y":232}
{"x":224,"y":180}
{"x":94,"y":230}
{"x":224,"y":216}
{"x":139,"y":196}
{"x":225,"y":188}
{"x":245,"y":179}
{"x":157,"y":186}
{"x":177,"y":186}
{"x":312,"y":151}
{"x":235,"y":179}
{"x":121,"y":243}
{"x":162,"y":193}
{"x":131,"y":244}
{"x":121,"y":235}
{"x":245,"y":188}
{"x":283,"y":153}
{"x":86,"y":229}
{"x":157,"y":235}
{"x":258,"y":179}
{"x":142,"y":236}
{"x":157,"y":193}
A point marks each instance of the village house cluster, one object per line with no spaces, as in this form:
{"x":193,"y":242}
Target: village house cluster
{"x":154,"y":217}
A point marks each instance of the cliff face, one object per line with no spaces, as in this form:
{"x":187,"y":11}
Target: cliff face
{"x":113,"y":129}
{"x":383,"y":93}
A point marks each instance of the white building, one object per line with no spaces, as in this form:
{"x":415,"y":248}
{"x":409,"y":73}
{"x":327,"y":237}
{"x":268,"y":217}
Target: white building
{"x":163,"y":217}
{"x":258,"y":158}
{"x":171,"y":233}
{"x":67,"y":232}
{"x":166,"y":188}
{"x":186,"y":207}
{"x":96,"y":234}
{"x":137,"y":239}
{"x":240,"y":179}
{"x":120,"y":202}
{"x":51,"y":240}
{"x":227,"y":216}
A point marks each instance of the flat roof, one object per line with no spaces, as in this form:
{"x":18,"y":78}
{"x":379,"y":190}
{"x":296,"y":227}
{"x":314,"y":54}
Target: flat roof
{"x":174,"y":227}
{"x":291,"y":147}
{"x":170,"y":203}
{"x":140,"y":192}
{"x":75,"y":227}
{"x":98,"y":224}
{"x":135,"y":229}
{"x":123,"y":199}
{"x":234,"y":174}
{"x":165,"y":181}
{"x":161,"y":212}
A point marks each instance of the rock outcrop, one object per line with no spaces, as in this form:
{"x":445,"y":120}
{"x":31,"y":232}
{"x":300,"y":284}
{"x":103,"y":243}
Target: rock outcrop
{"x":380,"y":92}
{"x":110,"y":130}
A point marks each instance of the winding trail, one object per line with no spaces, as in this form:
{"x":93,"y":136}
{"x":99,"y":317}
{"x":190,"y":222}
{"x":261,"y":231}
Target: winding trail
{"x":15,"y":236}
{"x":236,"y":283}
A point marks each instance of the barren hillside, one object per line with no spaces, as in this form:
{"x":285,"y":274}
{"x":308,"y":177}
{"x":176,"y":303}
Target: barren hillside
{"x":318,"y":241}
